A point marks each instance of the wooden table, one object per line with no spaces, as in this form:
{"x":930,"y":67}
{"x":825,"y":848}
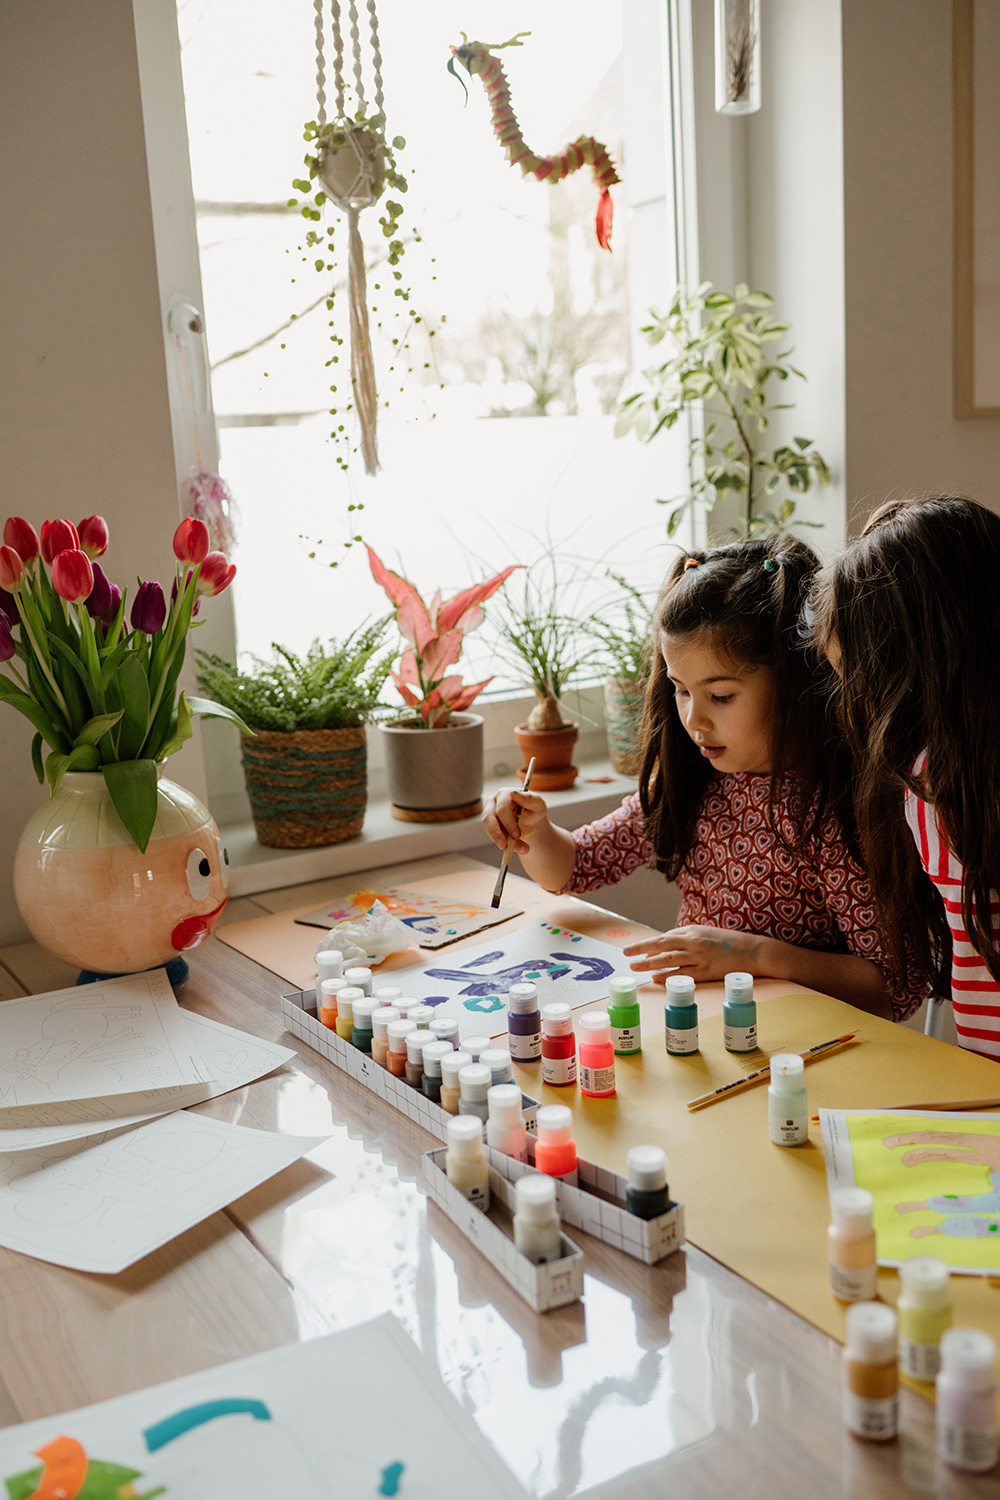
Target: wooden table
{"x":679,"y":1379}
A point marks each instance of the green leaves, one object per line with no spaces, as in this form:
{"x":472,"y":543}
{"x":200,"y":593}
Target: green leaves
{"x":132,"y":787}
{"x":80,"y":758}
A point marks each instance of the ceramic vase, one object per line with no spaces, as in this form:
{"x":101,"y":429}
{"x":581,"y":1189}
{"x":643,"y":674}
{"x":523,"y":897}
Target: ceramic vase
{"x":435,"y":775}
{"x":93,"y":898}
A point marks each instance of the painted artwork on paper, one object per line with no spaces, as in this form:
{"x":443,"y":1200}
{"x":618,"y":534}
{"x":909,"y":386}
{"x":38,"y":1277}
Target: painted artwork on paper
{"x":935,"y":1178}
{"x":472,"y":984}
{"x":435,"y":921}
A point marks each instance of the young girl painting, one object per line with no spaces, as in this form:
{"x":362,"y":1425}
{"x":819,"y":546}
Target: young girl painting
{"x":909,"y":617}
{"x":742,"y":795}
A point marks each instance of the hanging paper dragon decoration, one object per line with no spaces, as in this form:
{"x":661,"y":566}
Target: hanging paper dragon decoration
{"x":478,"y":60}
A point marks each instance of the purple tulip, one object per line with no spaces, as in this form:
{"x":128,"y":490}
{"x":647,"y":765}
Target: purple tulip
{"x":8,"y":605}
{"x":104,"y":597}
{"x":7,"y":647}
{"x":149,"y":608}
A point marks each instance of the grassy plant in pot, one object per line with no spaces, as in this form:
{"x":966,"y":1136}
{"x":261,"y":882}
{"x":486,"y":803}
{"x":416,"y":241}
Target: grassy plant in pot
{"x":434,"y":756}
{"x":306,"y":767}
{"x":623,"y":632}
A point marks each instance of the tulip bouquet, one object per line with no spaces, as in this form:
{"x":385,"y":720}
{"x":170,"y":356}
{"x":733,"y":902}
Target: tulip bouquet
{"x":435,"y":634}
{"x":101,"y":692}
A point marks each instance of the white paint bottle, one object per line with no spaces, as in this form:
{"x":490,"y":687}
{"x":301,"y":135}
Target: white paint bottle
{"x":505,"y":1127}
{"x":536,"y":1220}
{"x":329,"y":965}
{"x":787,"y":1107}
{"x":967,"y":1401}
{"x":362,"y":977}
{"x":465,"y":1161}
{"x":474,"y":1083}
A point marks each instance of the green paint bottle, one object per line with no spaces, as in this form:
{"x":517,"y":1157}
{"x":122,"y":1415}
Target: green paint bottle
{"x":623,"y":1013}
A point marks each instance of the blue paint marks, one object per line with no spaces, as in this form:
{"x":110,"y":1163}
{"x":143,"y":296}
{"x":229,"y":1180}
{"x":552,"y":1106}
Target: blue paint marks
{"x":435,"y":1000}
{"x":480,"y":986}
{"x":164,"y":1432}
{"x":391,"y":1475}
{"x":484,"y":1004}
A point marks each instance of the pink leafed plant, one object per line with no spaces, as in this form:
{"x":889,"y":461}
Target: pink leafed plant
{"x":435,"y":634}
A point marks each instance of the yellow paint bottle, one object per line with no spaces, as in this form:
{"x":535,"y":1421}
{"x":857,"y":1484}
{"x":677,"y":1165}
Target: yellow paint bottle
{"x":925,"y":1312}
{"x":345,"y":1010}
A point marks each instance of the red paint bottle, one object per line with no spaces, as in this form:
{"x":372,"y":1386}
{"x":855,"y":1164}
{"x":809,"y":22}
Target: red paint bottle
{"x":558,"y":1045}
{"x":597,"y":1055}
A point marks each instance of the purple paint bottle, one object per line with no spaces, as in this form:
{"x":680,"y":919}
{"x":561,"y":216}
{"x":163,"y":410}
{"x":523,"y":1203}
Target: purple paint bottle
{"x":524,"y":1023}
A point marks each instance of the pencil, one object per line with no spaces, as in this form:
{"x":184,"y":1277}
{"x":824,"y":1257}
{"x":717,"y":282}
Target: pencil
{"x":749,"y":1080}
{"x":505,"y":862}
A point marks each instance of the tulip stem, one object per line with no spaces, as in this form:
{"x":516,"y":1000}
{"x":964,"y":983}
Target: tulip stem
{"x":42,"y":661}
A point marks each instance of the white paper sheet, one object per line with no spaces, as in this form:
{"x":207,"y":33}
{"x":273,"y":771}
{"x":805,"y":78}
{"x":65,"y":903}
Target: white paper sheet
{"x":103,"y":1205}
{"x":234,"y":1058}
{"x":115,"y":1037}
{"x":355,"y":1415}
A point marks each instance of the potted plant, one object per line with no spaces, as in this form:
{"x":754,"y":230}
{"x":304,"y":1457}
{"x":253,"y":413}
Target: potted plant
{"x":434,"y":757}
{"x":724,"y":356}
{"x":623,"y":633}
{"x":121,"y":870}
{"x":306,"y":768}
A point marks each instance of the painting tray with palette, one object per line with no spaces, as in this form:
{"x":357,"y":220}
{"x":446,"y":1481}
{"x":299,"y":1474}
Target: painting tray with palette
{"x":554,"y":1284}
{"x":299,"y":1011}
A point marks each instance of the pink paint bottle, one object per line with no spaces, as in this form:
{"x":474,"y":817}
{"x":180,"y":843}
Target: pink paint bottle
{"x":597,"y":1056}
{"x":396,"y":1033}
{"x":555,"y":1148}
{"x":967,"y":1400}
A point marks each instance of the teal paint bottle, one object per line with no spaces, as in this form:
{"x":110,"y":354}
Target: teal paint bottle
{"x":739,"y":1014}
{"x":623,"y":1013}
{"x":680,"y":1016}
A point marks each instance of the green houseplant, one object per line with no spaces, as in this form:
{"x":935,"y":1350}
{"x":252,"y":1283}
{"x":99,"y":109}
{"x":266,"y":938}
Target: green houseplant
{"x":726,"y":352}
{"x":623,"y":632}
{"x":306,"y":767}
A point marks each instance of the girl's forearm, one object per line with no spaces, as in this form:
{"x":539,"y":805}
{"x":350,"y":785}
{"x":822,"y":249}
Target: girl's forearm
{"x":845,"y":976}
{"x":551,"y":856}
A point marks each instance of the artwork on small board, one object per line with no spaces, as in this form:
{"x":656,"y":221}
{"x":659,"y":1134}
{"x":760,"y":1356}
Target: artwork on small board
{"x":435,"y":921}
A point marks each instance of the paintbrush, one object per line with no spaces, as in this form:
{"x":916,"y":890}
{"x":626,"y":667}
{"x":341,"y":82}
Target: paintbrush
{"x":505,"y":862}
{"x":750,"y":1080}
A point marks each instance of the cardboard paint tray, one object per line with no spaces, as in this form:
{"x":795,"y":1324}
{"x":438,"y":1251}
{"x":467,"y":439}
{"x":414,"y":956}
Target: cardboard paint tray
{"x":553,"y":1284}
{"x":299,"y":1011}
{"x":597,"y":1206}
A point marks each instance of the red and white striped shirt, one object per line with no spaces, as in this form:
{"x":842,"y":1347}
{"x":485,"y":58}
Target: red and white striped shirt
{"x":975,"y":993}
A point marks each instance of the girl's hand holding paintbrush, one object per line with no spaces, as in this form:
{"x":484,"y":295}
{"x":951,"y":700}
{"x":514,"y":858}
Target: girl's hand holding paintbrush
{"x":521,"y":820}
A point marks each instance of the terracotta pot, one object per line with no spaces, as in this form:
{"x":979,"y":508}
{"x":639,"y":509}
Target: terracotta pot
{"x":435,"y":775}
{"x":553,"y":752}
{"x":623,"y":702}
{"x":307,"y":787}
{"x":90,"y":895}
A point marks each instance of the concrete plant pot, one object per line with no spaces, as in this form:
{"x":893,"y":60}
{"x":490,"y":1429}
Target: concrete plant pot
{"x":435,"y":775}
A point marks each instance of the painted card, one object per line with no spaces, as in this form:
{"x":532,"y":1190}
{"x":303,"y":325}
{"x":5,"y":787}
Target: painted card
{"x":472,"y":985}
{"x":435,"y":921}
{"x":114,"y":1037}
{"x":356,"y":1415}
{"x":935,"y":1178}
{"x":104,"y":1205}
{"x":234,"y":1058}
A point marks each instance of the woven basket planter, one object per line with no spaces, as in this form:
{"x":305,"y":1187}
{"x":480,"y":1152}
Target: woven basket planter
{"x":307,"y":787}
{"x":623,"y":701}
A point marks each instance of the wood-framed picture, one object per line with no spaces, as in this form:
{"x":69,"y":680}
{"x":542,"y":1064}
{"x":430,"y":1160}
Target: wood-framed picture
{"x":976,"y":63}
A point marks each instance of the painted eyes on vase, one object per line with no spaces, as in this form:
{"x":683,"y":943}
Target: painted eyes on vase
{"x":199,"y":874}
{"x":223,"y":853}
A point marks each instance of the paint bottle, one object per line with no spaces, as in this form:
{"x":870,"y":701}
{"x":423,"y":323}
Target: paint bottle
{"x":474,"y":1083}
{"x":623,"y":1013}
{"x":404,"y":1004}
{"x":361,"y":1028}
{"x":497,"y":1059}
{"x":465,"y":1160}
{"x":345,"y":1010}
{"x":555,"y":1148}
{"x":381,"y":1016}
{"x":870,"y":1378}
{"x":851,"y":1245}
{"x":647,"y":1195}
{"x":680,"y":1015}
{"x":924,"y":1310}
{"x":505,"y":1127}
{"x":362,"y":977}
{"x":388,"y":994}
{"x":475,"y":1046}
{"x":967,"y":1400}
{"x":536,"y":1220}
{"x":787,"y":1110}
{"x":558,"y":1045}
{"x":739,"y":1014}
{"x":421,"y":1016}
{"x":416,"y":1041}
{"x":445,"y":1028}
{"x":432,"y":1054}
{"x":328,"y":992}
{"x":329,"y":965}
{"x":524,"y":1022}
{"x":396,"y":1033}
{"x":451,"y":1066}
{"x":597,"y":1056}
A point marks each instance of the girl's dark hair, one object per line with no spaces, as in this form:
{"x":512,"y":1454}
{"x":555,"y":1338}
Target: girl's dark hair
{"x":748,"y":597}
{"x":912,"y":611}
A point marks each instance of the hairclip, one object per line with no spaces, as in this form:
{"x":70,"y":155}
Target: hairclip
{"x":692,"y":562}
{"x":771,"y":563}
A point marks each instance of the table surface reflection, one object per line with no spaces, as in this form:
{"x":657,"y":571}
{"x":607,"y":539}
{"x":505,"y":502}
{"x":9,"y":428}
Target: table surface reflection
{"x":678,"y":1379}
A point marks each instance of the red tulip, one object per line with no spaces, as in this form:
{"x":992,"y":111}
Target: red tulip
{"x":93,"y":532}
{"x":72,"y":575}
{"x":22,"y":536}
{"x":11,"y":569}
{"x":58,"y":536}
{"x":191,"y":541}
{"x":216,"y":574}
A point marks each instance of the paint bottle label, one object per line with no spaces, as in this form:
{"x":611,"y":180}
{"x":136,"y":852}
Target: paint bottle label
{"x":740,"y":1038}
{"x":679,"y":1042}
{"x":559,"y":1070}
{"x":788,"y":1130}
{"x":919,"y":1361}
{"x":597,"y":1080}
{"x":626,"y":1038}
{"x":870,"y":1417}
{"x":478,"y":1195}
{"x":853,"y":1283}
{"x":525,"y":1048}
{"x":972,"y":1448}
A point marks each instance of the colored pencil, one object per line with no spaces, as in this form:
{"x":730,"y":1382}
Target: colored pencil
{"x":749,"y":1080}
{"x":505,"y":862}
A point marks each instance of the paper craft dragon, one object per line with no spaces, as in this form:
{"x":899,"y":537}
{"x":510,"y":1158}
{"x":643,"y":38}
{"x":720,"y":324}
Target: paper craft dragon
{"x":478,"y":60}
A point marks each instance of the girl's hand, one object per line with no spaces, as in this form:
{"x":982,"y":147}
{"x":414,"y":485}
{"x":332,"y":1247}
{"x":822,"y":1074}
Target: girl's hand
{"x":703,"y":952}
{"x":512,"y":816}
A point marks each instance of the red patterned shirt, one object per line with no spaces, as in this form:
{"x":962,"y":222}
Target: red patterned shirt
{"x":738,"y":874}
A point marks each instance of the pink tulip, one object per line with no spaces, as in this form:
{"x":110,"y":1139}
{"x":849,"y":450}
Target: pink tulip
{"x":191,"y":541}
{"x":93,"y":533}
{"x":11,"y":569}
{"x":22,"y":536}
{"x":58,"y":536}
{"x":216,"y":574}
{"x":72,"y":575}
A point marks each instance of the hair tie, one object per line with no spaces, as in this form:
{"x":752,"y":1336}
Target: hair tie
{"x":771,"y":563}
{"x":692,"y":562}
